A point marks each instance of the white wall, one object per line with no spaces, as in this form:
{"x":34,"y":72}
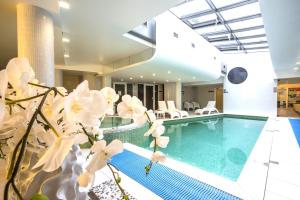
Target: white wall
{"x":255,"y":96}
{"x":173,"y":93}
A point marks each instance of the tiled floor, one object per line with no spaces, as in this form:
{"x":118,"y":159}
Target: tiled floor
{"x":284,"y":170}
{"x":280,"y":180}
{"x":290,"y":112}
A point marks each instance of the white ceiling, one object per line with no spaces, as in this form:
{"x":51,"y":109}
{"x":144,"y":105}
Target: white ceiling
{"x":96,"y":28}
{"x":282,"y":25}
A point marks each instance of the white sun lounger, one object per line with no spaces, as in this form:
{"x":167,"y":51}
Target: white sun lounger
{"x":188,"y":106}
{"x":195,"y":105}
{"x":209,"y":109}
{"x":162,"y":107}
{"x":171,"y":107}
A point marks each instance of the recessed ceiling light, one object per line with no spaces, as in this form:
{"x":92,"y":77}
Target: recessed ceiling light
{"x":66,"y":40}
{"x":296,"y":68}
{"x":141,"y":77}
{"x":130,"y":78}
{"x":179,"y":79}
{"x":298,"y":63}
{"x":153,"y":74}
{"x":66,"y":55}
{"x":122,"y":79}
{"x":167,"y":80}
{"x":194,"y":77}
{"x":169,"y":72}
{"x":64,"y":4}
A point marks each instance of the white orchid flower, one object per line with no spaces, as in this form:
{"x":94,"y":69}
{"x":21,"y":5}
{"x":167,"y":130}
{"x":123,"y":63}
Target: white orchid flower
{"x":111,"y":97}
{"x":19,"y":73}
{"x":2,"y":112}
{"x":102,"y":154}
{"x":57,"y":152}
{"x":85,"y":106}
{"x":161,"y":141}
{"x":156,"y":129}
{"x":132,"y":107}
{"x":3,"y":83}
{"x":158,"y":157}
{"x":53,"y":106}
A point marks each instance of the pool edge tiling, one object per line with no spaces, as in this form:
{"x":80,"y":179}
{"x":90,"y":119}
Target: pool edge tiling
{"x":166,"y":182}
{"x":219,"y":146}
{"x":254,"y":182}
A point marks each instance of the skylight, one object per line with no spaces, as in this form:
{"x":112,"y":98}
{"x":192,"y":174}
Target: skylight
{"x":230,"y":25}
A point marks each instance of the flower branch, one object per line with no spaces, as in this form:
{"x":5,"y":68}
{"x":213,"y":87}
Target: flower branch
{"x":14,"y":166}
{"x":117,"y":179}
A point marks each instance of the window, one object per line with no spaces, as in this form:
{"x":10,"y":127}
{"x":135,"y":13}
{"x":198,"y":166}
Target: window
{"x":216,"y":25}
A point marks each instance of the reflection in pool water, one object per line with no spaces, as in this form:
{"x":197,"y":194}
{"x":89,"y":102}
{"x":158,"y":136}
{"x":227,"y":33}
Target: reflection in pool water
{"x":114,"y":121}
{"x":220,"y":145}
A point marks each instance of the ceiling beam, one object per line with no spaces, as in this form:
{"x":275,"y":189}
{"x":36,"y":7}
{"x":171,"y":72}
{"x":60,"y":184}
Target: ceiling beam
{"x":234,"y":31}
{"x":245,"y":44}
{"x":211,"y":11}
{"x":214,"y":23}
{"x":246,"y":49}
{"x":222,"y":20}
{"x":225,"y":38}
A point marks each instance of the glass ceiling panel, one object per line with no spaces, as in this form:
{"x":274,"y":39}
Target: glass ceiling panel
{"x":255,"y":45}
{"x":211,"y":29}
{"x":257,"y":50}
{"x":218,"y":36}
{"x":227,"y":42}
{"x":222,"y":3}
{"x":242,"y":11}
{"x":203,"y":19}
{"x":254,"y":40}
{"x":249,"y":33}
{"x":190,"y":8}
{"x":246,"y":23}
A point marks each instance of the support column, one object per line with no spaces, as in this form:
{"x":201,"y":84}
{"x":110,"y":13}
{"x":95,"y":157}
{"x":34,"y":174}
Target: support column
{"x":58,"y":78}
{"x":36,"y":41}
{"x":178,"y":95}
{"x":94,"y":81}
{"x":106,"y":81}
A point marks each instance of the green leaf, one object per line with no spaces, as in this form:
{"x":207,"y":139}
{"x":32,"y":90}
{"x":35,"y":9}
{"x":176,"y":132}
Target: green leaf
{"x":118,"y":180}
{"x":39,"y":197}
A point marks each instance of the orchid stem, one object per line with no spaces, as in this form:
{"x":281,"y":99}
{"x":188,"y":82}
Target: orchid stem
{"x":26,"y":99}
{"x":48,"y":123}
{"x":14,"y":166}
{"x":46,"y":87}
{"x":115,"y":178}
{"x":90,"y":138}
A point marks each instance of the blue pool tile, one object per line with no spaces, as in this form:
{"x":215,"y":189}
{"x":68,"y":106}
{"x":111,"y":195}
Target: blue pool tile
{"x":165,"y":182}
{"x":295,"y":123}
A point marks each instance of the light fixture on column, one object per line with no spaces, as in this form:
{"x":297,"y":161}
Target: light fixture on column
{"x":65,"y":39}
{"x":66,"y":55}
{"x":64,"y":4}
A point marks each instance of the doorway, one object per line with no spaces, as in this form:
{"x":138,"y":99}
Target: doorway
{"x":121,"y":89}
{"x":149,"y":96}
{"x":219,"y":99}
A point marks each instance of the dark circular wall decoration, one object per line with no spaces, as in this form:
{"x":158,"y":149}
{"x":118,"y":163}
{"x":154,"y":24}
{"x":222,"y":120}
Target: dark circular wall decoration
{"x":237,"y":75}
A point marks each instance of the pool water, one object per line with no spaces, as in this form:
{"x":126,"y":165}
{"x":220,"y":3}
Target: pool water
{"x":110,"y":122}
{"x":220,"y":145}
